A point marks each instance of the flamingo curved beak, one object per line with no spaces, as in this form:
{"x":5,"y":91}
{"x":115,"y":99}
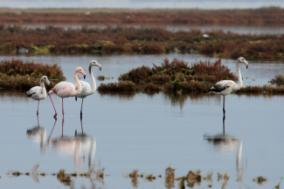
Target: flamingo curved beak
{"x":247,"y":66}
{"x":100,"y":68}
{"x":84,"y":76}
{"x":48,"y":82}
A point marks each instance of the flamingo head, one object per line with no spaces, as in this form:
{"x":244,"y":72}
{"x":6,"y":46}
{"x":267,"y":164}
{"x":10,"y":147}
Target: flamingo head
{"x":243,"y":61}
{"x":80,"y":71}
{"x":95,"y":63}
{"x":45,"y":80}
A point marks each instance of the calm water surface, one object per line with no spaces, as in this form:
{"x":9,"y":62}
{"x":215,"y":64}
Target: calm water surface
{"x":259,"y":73}
{"x":148,"y":133}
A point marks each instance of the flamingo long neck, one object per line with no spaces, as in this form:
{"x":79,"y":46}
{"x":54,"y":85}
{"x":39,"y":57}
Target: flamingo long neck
{"x":240,"y":79}
{"x":93,"y":80}
{"x":78,"y":86}
{"x":43,"y":89}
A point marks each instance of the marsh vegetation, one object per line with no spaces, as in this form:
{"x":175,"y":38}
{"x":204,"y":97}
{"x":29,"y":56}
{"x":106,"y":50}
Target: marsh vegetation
{"x":177,"y":78}
{"x":16,"y":75}
{"x":54,"y":41}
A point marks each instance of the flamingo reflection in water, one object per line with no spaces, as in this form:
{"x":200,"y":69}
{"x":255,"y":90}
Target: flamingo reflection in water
{"x":80,"y":146}
{"x":228,"y":143}
{"x":38,"y":134}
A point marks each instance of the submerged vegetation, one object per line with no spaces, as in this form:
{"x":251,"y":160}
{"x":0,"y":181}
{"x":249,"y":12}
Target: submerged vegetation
{"x":191,"y":179}
{"x":18,"y":40}
{"x":16,"y":75}
{"x":177,"y":78}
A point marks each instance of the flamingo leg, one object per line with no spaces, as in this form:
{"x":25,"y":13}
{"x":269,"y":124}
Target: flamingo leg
{"x":51,"y":132}
{"x":82,"y":130}
{"x":81,"y":111}
{"x":62,"y":127}
{"x":37,"y":111}
{"x":37,"y":118}
{"x":62,"y":107}
{"x":224,"y":111}
{"x":55,"y":113}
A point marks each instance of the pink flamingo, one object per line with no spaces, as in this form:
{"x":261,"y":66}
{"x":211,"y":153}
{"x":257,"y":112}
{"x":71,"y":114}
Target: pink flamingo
{"x":66,"y":89}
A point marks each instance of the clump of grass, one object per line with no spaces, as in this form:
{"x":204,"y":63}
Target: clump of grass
{"x":64,"y":177}
{"x":123,"y":87}
{"x":16,"y":173}
{"x":16,"y":75}
{"x":134,"y":175}
{"x":278,"y":80}
{"x":170,"y":177}
{"x":174,"y":77}
{"x":150,"y":177}
{"x":193,"y":178}
{"x":261,"y":90}
{"x":260,"y":180}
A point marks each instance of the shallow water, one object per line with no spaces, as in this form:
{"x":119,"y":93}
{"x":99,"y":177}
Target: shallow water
{"x":204,"y":4}
{"x":249,"y":30}
{"x":148,"y":133}
{"x":259,"y":73}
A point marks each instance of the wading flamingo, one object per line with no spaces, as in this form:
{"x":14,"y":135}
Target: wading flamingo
{"x":87,"y":88}
{"x":39,"y":92}
{"x":66,"y":89}
{"x":225,"y":87}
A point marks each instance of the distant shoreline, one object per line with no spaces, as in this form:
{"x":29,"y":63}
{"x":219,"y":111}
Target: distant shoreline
{"x":195,"y":17}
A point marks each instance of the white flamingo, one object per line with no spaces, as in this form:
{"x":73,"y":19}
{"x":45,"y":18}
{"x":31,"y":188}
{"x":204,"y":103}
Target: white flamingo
{"x":225,"y":87}
{"x":39,"y":92}
{"x":87,"y":88}
{"x":66,"y":89}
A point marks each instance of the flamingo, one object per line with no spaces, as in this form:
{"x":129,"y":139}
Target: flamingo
{"x":39,"y":92}
{"x":87,"y":88}
{"x":65,"y":89}
{"x":225,"y":87}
